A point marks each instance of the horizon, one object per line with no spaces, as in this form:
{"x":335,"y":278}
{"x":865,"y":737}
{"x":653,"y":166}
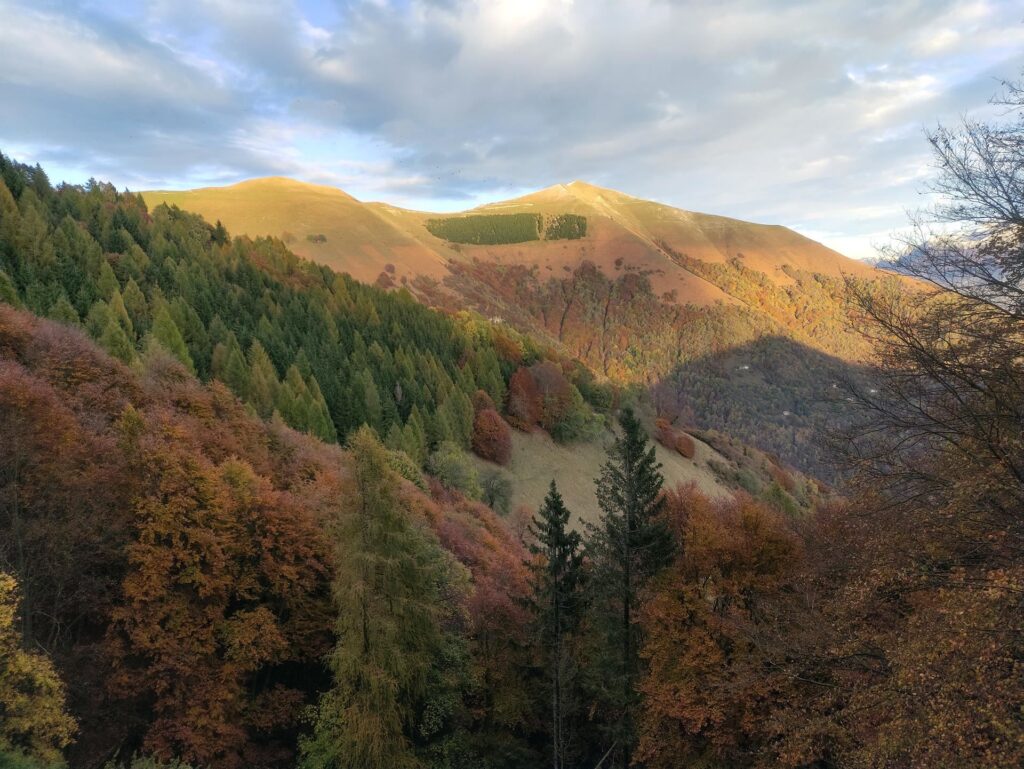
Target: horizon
{"x":778,"y":113}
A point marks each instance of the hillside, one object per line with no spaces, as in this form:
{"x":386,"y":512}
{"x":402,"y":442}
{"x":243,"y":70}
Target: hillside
{"x":637,"y":291}
{"x":623,"y":234}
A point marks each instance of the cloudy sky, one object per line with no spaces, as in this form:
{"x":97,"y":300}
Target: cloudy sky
{"x":808,"y":113}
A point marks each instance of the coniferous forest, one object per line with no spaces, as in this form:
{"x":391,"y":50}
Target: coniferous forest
{"x":240,"y":526}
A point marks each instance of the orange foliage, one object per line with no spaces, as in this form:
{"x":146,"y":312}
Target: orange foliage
{"x":674,"y":439}
{"x":709,"y":690}
{"x":491,"y":437}
{"x":523,"y":402}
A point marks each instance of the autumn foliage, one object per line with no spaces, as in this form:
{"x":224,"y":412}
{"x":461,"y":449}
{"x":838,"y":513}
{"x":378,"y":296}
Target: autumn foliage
{"x":524,"y":406}
{"x":492,"y":439}
{"x":673,"y":439}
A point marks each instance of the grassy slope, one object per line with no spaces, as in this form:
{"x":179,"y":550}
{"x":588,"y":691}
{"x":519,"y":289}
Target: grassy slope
{"x":536,"y":459}
{"x":623,"y":233}
{"x":359,"y":241}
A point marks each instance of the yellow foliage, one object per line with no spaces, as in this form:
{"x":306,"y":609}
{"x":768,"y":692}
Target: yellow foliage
{"x":32,"y":716}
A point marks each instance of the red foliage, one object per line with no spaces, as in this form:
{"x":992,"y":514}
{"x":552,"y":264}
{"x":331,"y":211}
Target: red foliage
{"x":555,"y":392}
{"x":482,"y":401}
{"x":492,"y":440}
{"x":523,"y":403}
{"x":674,"y":439}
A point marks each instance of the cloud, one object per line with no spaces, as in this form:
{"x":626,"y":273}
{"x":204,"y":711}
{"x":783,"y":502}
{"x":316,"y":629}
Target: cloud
{"x":799,"y":112}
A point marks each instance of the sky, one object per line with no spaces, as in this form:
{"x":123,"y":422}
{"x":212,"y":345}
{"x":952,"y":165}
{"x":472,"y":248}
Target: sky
{"x":806,"y":113}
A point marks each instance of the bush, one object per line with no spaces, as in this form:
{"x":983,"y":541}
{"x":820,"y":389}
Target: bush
{"x":673,"y":439}
{"x":492,"y":439}
{"x":454,"y":470}
{"x":684,"y":445}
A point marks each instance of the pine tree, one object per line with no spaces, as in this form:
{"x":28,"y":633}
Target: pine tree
{"x":390,"y":595}
{"x":628,"y":546}
{"x":555,"y":602}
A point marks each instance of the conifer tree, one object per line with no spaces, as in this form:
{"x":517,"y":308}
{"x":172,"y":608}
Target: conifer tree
{"x":555,"y":602}
{"x":166,"y":332}
{"x":263,"y":382}
{"x":627,"y":547}
{"x":389,"y":590}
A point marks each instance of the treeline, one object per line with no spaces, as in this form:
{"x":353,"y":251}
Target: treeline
{"x":288,"y":337}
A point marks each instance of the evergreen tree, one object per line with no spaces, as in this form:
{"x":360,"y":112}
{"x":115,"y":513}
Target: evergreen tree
{"x":263,"y":384}
{"x":63,"y":311}
{"x":391,"y":591}
{"x":555,"y":602}
{"x":166,"y":332}
{"x":107,"y":281}
{"x":628,"y":546}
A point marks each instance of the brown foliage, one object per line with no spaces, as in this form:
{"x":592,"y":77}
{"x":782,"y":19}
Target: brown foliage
{"x":482,"y":401}
{"x":673,"y":439}
{"x":492,"y":439}
{"x":523,"y":402}
{"x":554,"y":391}
{"x":709,"y":621}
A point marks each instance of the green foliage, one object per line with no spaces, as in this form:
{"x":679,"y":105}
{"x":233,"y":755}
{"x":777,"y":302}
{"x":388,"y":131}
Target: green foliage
{"x":565,"y":227}
{"x":167,"y":334}
{"x":454,"y":469}
{"x":496,"y":489}
{"x":629,"y":545}
{"x":555,"y":602}
{"x":244,"y":312}
{"x":487,"y":229}
{"x":389,"y":703}
{"x":781,"y":500}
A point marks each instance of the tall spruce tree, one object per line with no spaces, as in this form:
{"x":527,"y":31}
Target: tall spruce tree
{"x":557,"y":571}
{"x":627,"y":547}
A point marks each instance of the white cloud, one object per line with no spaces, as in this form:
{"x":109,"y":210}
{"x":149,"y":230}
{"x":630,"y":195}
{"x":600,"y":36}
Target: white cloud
{"x":792,"y":111}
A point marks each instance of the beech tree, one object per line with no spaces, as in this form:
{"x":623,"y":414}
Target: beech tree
{"x":33,"y":721}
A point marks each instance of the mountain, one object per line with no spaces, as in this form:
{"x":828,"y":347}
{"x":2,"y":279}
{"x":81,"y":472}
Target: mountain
{"x":644,"y":294}
{"x":623,"y":233}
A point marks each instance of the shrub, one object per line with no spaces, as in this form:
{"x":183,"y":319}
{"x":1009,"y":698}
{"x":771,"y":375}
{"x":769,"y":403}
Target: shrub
{"x":684,"y":445}
{"x":492,"y":439}
{"x":454,"y":470}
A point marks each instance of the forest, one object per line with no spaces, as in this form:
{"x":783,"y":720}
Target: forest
{"x":487,"y":229}
{"x":237,"y":530}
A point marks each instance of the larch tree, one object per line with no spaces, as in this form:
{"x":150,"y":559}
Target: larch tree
{"x":391,"y":582}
